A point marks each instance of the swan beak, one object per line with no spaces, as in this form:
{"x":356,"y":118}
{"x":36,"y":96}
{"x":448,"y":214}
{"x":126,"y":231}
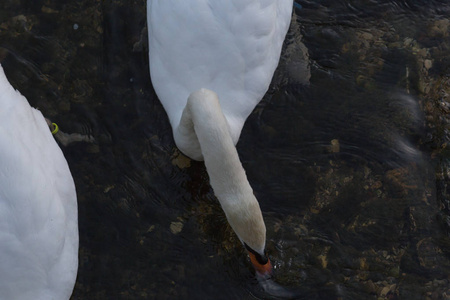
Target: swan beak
{"x":261,"y":269}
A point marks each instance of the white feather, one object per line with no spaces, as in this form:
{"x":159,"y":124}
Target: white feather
{"x":38,"y":206}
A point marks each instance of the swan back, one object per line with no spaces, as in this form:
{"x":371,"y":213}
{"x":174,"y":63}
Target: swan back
{"x":38,"y":208}
{"x":230,"y":47}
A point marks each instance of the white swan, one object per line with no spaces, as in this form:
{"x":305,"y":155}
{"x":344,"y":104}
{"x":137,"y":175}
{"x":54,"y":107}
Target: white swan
{"x":38,"y":206}
{"x":211,"y":62}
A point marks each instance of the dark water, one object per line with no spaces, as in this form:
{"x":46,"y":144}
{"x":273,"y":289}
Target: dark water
{"x":350,"y":165}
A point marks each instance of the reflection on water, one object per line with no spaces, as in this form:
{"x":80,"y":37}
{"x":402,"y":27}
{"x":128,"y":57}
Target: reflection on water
{"x":347,"y":153}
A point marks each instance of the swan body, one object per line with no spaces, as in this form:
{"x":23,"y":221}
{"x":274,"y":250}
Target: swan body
{"x":211,"y":62}
{"x":38,"y":205}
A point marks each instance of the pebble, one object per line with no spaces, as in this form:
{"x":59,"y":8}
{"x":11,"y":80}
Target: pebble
{"x":176,"y":227}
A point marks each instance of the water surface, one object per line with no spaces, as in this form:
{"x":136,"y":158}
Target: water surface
{"x":347,"y":153}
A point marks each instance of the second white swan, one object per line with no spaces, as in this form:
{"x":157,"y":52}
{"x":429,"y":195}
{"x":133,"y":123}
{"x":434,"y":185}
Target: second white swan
{"x":38,"y":205}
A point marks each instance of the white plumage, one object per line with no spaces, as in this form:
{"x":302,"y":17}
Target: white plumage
{"x":230,"y":47}
{"x":211,"y":62}
{"x":38,"y":205}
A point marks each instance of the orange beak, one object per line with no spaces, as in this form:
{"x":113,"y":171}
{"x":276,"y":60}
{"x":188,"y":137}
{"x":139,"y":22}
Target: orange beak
{"x":262,"y":269}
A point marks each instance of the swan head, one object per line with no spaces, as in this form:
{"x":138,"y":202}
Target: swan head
{"x":248,"y":224}
{"x":204,"y":132}
{"x":260,"y":262}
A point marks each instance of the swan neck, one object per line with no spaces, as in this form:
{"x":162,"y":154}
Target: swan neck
{"x":204,"y":123}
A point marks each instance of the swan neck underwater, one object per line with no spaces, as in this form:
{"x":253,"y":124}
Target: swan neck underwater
{"x":204,"y":125}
